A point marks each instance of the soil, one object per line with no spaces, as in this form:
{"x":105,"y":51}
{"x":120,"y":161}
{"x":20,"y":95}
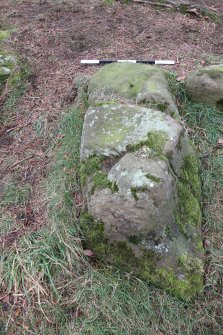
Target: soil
{"x":53,"y":36}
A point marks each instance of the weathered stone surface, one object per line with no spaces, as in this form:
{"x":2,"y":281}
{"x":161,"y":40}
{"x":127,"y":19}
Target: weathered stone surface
{"x":6,"y":66}
{"x":112,"y":129}
{"x":136,"y":83}
{"x":143,"y":203}
{"x":206,"y":86}
{"x":4,"y":34}
{"x":140,"y":179}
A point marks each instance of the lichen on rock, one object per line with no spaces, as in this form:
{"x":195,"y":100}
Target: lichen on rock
{"x":134,"y":83}
{"x":141,"y":185}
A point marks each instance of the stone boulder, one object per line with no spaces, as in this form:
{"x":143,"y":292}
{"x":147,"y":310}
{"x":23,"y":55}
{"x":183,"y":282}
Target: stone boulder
{"x":113,"y":129}
{"x":133,"y":83}
{"x":7,"y":65}
{"x":206,"y":86}
{"x":140,"y":181}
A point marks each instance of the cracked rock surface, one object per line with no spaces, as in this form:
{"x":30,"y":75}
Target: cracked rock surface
{"x":141,"y":181}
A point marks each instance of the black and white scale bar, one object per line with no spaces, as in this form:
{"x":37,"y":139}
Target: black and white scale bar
{"x":154,"y":62}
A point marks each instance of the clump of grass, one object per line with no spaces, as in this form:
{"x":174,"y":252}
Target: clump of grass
{"x":6,"y":222}
{"x":206,"y":128}
{"x":17,"y":84}
{"x":4,"y":34}
{"x":44,"y":265}
{"x":14,"y":194}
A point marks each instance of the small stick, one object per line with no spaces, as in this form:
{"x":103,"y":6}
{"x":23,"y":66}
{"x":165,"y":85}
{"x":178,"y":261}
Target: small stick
{"x":22,"y":160}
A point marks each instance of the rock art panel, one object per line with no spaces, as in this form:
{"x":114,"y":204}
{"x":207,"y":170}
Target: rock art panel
{"x":140,"y":180}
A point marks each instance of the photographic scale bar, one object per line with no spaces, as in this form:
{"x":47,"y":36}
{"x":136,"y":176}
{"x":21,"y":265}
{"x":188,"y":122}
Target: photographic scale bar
{"x":153,"y":62}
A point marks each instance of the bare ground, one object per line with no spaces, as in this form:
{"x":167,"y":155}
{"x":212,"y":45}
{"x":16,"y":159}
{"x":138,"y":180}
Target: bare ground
{"x":54,"y":37}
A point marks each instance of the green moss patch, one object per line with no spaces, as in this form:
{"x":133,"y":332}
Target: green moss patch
{"x":214,"y":72}
{"x":121,"y":256}
{"x":136,"y":190}
{"x":159,"y":106}
{"x":156,"y":141}
{"x":90,"y":166}
{"x":95,"y":169}
{"x":4,"y":34}
{"x":190,"y":212}
{"x":100,"y":181}
{"x":153,"y":178}
{"x":190,"y":175}
{"x":189,"y":195}
{"x":185,"y":289}
{"x":122,"y":80}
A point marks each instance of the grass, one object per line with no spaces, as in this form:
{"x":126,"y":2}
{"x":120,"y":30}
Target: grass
{"x":14,"y":194}
{"x":49,"y":276}
{"x":4,"y":34}
{"x":16,"y":86}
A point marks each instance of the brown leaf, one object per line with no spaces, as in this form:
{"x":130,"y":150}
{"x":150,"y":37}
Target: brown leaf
{"x":17,"y":312}
{"x":88,"y":253}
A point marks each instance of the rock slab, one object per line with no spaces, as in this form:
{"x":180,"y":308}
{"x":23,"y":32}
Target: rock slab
{"x":140,"y":180}
{"x":133,"y":83}
{"x":206,"y":86}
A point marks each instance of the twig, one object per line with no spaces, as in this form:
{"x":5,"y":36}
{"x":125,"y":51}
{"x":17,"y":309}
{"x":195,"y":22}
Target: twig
{"x":153,"y":3}
{"x":22,"y":160}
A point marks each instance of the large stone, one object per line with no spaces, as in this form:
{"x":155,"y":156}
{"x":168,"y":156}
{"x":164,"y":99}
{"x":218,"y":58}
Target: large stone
{"x":206,"y":86}
{"x":143,"y":203}
{"x":111,"y":130}
{"x":142,"y":210}
{"x":136,"y":83}
{"x":7,"y":65}
{"x":141,"y":185}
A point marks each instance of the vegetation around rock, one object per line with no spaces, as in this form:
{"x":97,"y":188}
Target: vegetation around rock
{"x":206,"y":86}
{"x":51,"y":281}
{"x":149,"y":196}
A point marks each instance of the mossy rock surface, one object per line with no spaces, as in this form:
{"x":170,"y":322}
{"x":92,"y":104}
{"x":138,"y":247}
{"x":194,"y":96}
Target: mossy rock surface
{"x":113,"y":129}
{"x":141,"y":185}
{"x":7,"y":68}
{"x":135,"y":83}
{"x":206,"y":86}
